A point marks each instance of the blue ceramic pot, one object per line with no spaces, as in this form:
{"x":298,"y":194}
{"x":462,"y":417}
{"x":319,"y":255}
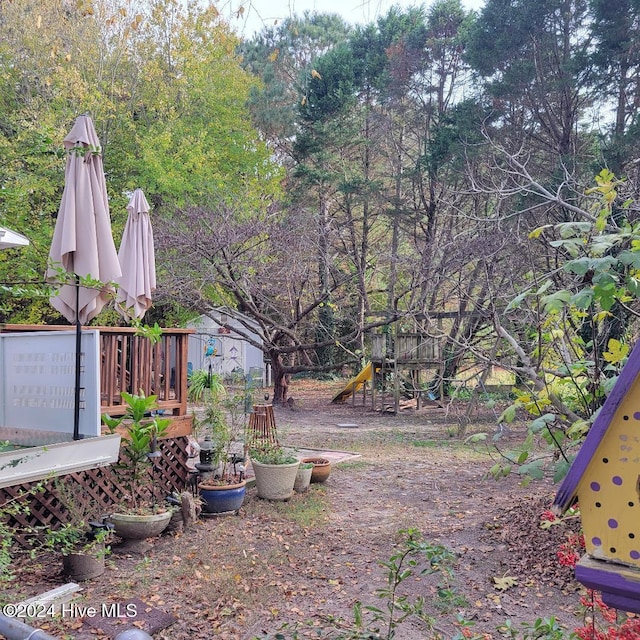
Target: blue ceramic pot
{"x":223,"y":498}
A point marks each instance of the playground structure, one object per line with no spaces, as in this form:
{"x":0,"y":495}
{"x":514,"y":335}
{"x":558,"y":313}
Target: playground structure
{"x":357,"y":383}
{"x":395,"y":373}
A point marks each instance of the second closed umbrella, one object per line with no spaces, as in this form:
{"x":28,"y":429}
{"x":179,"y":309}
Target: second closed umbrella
{"x":137,"y":260}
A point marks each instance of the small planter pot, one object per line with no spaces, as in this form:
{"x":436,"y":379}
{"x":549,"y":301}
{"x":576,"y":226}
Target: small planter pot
{"x":303,"y":479}
{"x":275,"y":481}
{"x":140,"y":527}
{"x":224,"y":498}
{"x":84,"y":565}
{"x":321,"y":469}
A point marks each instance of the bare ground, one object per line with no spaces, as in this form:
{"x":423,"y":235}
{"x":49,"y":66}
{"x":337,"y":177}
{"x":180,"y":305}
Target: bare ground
{"x":308,"y":561}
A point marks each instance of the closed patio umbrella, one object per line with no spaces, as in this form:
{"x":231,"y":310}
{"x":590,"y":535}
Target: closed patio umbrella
{"x":137,"y":260}
{"x":10,"y":239}
{"x":82,"y":241}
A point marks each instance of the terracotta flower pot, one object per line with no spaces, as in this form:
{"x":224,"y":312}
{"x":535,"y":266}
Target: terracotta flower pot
{"x":321,"y":469}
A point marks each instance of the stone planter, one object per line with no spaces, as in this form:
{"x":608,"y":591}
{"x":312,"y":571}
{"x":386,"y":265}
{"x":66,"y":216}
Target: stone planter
{"x":275,"y":481}
{"x":140,"y":527}
{"x":222,"y":498}
{"x":303,"y":479}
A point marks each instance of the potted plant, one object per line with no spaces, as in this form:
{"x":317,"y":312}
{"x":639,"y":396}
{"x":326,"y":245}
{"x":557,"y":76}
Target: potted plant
{"x":303,"y":477}
{"x":141,"y":516}
{"x":83,"y":539}
{"x":321,"y":468}
{"x":83,"y":546}
{"x":275,"y":470}
{"x":222,"y":487}
{"x":202,"y":381}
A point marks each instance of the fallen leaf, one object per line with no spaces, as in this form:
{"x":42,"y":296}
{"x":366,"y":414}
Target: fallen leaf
{"x":504,"y":583}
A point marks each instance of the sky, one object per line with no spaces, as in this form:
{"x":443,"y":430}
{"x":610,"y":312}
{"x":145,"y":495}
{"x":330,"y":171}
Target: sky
{"x":259,"y":13}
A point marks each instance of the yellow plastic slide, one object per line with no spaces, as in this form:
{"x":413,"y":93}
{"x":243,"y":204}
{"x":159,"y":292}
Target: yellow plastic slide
{"x":354,"y":384}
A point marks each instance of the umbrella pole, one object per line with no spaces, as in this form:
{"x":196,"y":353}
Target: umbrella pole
{"x":76,"y":400}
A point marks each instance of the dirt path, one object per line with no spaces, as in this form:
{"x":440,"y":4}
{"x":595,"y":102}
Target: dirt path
{"x":415,"y":473}
{"x":309,"y":560}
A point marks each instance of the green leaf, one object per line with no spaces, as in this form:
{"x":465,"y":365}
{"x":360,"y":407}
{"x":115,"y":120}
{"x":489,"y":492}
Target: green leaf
{"x":579,"y":266}
{"x":544,"y":287}
{"x":604,"y":278}
{"x":496,"y":471}
{"x":515,"y":303}
{"x":555,"y":302}
{"x":630,"y":258}
{"x":509,"y":414}
{"x":543,"y":421}
{"x":603,"y":264}
{"x":533,"y":469}
{"x":583,"y":299}
{"x":633,"y":285}
{"x":607,"y":301}
{"x":572,"y":229}
{"x":561,"y":470}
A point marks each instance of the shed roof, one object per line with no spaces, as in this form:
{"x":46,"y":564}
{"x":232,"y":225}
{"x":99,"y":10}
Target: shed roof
{"x":569,"y":487}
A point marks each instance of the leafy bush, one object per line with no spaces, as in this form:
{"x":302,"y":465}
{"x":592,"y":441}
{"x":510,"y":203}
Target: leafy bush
{"x":272,"y":454}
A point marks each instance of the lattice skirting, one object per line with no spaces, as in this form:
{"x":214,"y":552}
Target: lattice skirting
{"x":95,"y":491}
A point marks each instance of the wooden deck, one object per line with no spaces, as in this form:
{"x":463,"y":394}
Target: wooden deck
{"x":133,"y":364}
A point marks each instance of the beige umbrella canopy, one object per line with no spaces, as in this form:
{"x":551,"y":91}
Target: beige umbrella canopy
{"x":137,"y":260}
{"x":82,"y":241}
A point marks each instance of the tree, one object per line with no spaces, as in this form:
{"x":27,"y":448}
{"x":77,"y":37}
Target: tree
{"x":565,"y":383}
{"x":262,"y":268}
{"x":329,"y":132}
{"x":167,"y":93}
{"x":283,"y":58}
{"x":34,"y":56}
{"x":193,"y":132}
{"x":617,"y":62}
{"x":535,"y":60}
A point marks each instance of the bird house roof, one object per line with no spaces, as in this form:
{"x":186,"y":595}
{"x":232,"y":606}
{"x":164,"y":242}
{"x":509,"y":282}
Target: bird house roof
{"x":569,"y":487}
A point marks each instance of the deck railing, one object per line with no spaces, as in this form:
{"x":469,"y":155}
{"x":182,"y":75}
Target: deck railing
{"x":133,"y":364}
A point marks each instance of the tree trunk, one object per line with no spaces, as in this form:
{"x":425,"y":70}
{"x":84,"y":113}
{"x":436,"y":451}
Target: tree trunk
{"x":280,"y":379}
